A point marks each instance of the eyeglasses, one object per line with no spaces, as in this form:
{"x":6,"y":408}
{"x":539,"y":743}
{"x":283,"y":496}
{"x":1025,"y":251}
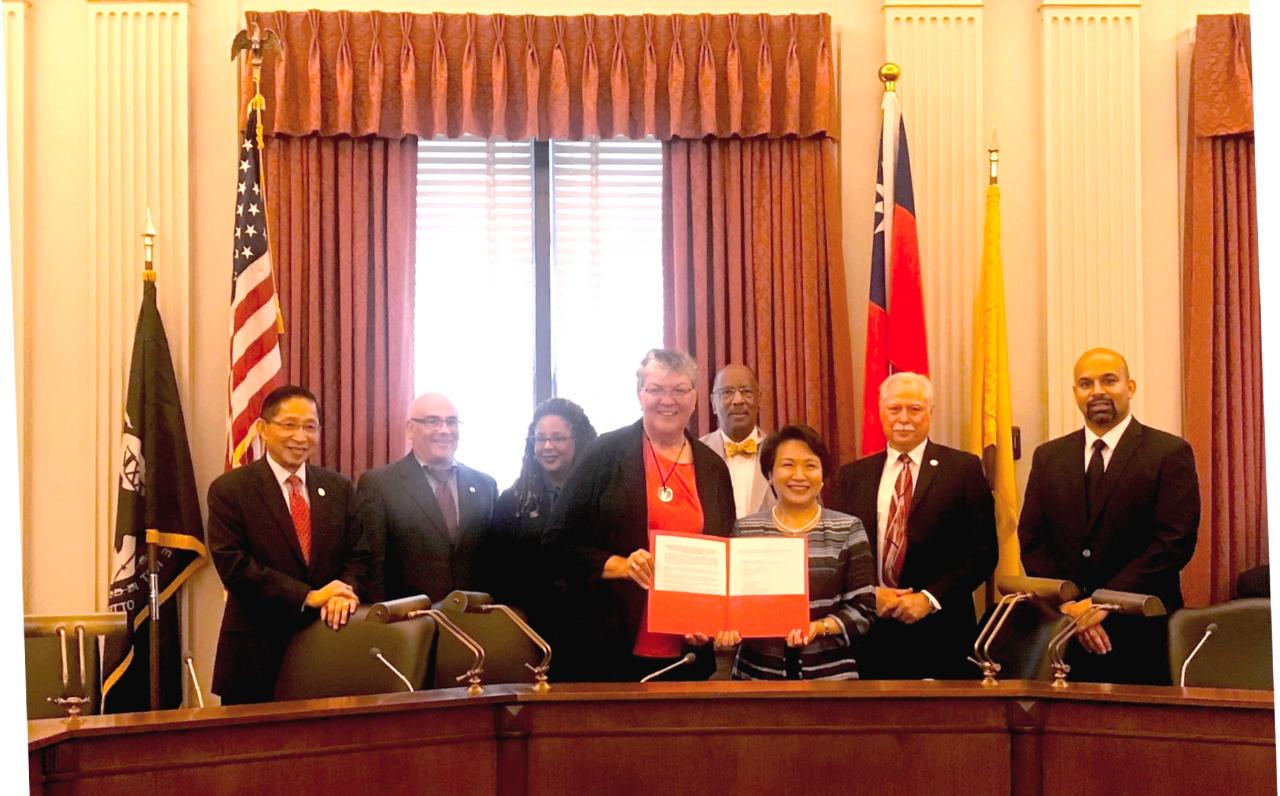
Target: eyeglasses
{"x":654,"y":391}
{"x":293,"y":426}
{"x":554,"y":439}
{"x":727,"y":393}
{"x":435,"y":421}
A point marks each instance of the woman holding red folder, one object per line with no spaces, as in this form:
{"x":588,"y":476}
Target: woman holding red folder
{"x":652,"y":475}
{"x":842,"y":596}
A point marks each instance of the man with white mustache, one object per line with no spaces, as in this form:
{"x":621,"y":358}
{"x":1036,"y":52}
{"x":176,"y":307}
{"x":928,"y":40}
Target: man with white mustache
{"x":930,"y":519}
{"x":1115,"y":505}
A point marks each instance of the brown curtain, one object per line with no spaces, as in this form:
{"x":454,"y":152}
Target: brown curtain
{"x":342,"y":225}
{"x":753,"y":273}
{"x":1222,"y":362}
{"x":518,"y":77}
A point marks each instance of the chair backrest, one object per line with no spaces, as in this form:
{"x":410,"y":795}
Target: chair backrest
{"x":1237,"y":655}
{"x":1022,"y":646}
{"x":43,"y":653}
{"x":506,"y":648}
{"x":323,"y":662}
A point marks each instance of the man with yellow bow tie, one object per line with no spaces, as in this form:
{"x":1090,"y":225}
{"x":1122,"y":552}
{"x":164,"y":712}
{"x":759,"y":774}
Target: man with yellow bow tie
{"x":736,"y":397}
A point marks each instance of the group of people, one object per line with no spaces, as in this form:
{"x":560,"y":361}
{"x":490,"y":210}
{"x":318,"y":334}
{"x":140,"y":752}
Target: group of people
{"x":897,"y":541}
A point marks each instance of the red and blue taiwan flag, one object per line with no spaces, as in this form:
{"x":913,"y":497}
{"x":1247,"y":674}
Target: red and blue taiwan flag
{"x":895,"y":310}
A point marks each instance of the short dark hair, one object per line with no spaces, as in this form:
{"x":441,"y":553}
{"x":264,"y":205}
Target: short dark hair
{"x":281,"y":394}
{"x":800,"y":433}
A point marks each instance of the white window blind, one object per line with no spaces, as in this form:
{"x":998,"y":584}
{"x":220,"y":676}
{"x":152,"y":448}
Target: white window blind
{"x":606,"y":272}
{"x":475,"y":315}
{"x":474,"y":308}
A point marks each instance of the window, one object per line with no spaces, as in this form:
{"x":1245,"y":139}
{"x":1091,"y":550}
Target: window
{"x":539,"y":273}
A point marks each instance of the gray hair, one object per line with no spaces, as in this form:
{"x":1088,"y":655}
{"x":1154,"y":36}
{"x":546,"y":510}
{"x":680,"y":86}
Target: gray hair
{"x":905,"y":378}
{"x":672,"y":360}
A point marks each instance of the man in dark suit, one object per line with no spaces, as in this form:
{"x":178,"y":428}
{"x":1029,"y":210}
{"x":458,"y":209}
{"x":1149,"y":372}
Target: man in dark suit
{"x":281,"y":541}
{"x":930,"y":519}
{"x":427,"y":516}
{"x":1115,"y":505}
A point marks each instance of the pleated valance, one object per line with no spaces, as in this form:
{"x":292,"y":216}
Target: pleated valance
{"x":1222,"y":76}
{"x":517,"y":77}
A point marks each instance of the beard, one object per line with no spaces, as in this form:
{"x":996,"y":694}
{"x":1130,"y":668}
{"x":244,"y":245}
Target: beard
{"x":1101,"y":410}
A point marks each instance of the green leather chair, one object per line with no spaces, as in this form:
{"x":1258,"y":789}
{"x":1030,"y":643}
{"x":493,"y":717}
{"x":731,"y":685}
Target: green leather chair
{"x":322,"y":662}
{"x":44,"y":660}
{"x":506,"y":648}
{"x":1236,"y":655}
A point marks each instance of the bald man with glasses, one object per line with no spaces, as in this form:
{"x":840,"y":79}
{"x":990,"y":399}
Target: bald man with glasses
{"x":426,"y":516}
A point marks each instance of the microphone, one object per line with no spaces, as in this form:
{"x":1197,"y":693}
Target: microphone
{"x":374,"y":652}
{"x":195,"y":681}
{"x":688,"y":658}
{"x":1208,"y":631}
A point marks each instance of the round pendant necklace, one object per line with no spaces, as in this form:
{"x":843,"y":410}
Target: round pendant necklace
{"x":782,"y":526}
{"x":665,"y":493}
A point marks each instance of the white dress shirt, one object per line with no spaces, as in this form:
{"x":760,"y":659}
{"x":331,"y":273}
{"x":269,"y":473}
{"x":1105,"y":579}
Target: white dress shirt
{"x":1110,"y":439}
{"x":282,"y":475}
{"x":884,"y":499}
{"x":742,"y":472}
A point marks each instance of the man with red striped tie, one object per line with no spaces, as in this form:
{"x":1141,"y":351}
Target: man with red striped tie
{"x":281,"y":538}
{"x":934,"y":540}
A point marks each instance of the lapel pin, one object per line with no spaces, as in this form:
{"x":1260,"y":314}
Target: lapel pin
{"x":933,"y":462}
{"x":320,"y":491}
{"x":471,"y":489}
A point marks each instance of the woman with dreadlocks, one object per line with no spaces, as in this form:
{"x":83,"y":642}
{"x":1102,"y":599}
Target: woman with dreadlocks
{"x":559,"y":432}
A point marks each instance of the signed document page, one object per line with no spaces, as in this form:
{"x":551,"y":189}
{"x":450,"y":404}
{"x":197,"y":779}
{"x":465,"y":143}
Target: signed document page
{"x":768,"y":585}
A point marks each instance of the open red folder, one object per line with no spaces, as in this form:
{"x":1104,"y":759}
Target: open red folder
{"x":756,"y":585}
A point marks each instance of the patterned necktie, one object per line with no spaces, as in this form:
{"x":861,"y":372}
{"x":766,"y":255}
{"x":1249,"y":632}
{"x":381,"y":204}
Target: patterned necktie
{"x":745,"y":448}
{"x":444,"y":498}
{"x":895,"y":535}
{"x":1093,"y":475}
{"x":301,"y":514}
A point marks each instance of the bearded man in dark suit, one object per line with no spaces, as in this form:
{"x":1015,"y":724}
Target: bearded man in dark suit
{"x":280,"y":539}
{"x":427,"y":516}
{"x":1115,"y":505}
{"x":930,"y":518}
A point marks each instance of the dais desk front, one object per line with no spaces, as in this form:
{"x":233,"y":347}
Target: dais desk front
{"x":873,"y":737}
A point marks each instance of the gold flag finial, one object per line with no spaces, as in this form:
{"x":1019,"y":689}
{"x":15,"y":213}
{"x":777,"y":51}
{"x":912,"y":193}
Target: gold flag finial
{"x":889,"y":74}
{"x":148,"y":249}
{"x":993,"y":157}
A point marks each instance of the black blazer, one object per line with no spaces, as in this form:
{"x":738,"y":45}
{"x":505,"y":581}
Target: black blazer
{"x":603,"y":511}
{"x":255,"y":549}
{"x":951,"y":550}
{"x":1137,"y":539}
{"x":1141,"y":534}
{"x":412,"y":551}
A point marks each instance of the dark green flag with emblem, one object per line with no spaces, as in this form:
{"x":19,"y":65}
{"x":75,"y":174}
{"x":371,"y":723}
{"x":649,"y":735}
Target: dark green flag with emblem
{"x":157,"y":503}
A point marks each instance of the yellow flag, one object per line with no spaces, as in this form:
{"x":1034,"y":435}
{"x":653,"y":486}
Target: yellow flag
{"x":990,"y":433}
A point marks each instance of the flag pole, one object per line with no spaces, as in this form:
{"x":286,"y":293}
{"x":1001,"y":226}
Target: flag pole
{"x":153,"y":548}
{"x":889,"y":74}
{"x":993,"y":158}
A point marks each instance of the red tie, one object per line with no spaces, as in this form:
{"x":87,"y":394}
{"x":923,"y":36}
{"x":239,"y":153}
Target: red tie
{"x":895,"y":535}
{"x":301,"y":514}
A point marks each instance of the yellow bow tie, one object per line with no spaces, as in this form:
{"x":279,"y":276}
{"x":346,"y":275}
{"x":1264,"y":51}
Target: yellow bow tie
{"x":746,"y":448}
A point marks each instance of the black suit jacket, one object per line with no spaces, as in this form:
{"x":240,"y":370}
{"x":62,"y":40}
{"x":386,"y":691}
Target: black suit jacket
{"x":1137,"y":539}
{"x":255,"y":549}
{"x":603,"y":511}
{"x":951,"y":550}
{"x":412,"y":551}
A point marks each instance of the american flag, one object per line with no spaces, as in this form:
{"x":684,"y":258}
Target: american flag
{"x":255,"y":340}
